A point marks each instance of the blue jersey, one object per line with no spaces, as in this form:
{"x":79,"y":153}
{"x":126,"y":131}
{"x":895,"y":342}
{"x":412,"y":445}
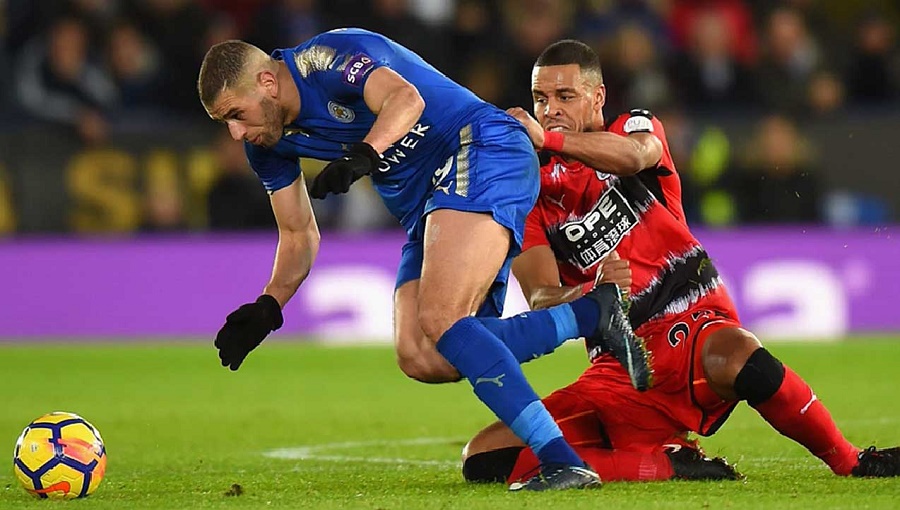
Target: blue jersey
{"x":330,"y":71}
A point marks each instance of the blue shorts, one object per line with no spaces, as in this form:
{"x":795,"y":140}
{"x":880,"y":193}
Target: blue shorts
{"x":495,"y":171}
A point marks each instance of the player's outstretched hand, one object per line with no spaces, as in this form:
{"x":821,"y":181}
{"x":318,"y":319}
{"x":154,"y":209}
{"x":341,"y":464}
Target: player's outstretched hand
{"x":361,"y":160}
{"x":535,"y":131}
{"x":614,"y":269}
{"x":245,"y":328}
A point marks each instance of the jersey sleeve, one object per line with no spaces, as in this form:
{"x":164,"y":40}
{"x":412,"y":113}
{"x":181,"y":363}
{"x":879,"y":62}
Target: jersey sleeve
{"x":535,"y":235}
{"x":274,"y":170}
{"x":642,"y":121}
{"x":356,"y":56}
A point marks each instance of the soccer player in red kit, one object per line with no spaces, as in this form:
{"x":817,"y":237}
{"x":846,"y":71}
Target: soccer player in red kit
{"x":615,"y":189}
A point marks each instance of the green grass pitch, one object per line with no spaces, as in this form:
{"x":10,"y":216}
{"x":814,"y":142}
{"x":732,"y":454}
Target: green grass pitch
{"x":180,"y":430}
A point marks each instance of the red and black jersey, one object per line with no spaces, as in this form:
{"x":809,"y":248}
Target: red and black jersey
{"x":583,"y":213}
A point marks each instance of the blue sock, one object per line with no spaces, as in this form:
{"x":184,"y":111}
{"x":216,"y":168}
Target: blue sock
{"x":587,"y":315}
{"x":530,"y":335}
{"x":498,"y":381}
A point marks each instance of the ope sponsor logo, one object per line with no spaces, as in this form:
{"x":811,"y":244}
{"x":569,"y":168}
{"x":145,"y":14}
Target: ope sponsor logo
{"x":576,"y":231}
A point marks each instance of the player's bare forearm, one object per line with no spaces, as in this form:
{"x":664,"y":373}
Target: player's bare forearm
{"x":293,"y":260}
{"x":298,"y":240}
{"x":397,"y":105}
{"x":538,"y":276}
{"x":613,"y":153}
{"x":545,"y":297}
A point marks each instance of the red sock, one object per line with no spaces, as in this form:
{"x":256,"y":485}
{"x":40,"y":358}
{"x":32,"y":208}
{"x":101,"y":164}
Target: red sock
{"x":796,"y":412}
{"x":611,"y":465}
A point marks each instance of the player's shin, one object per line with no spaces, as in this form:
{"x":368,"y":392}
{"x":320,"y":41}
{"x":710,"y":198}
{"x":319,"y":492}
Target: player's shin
{"x":784,"y":400}
{"x":499,"y":382}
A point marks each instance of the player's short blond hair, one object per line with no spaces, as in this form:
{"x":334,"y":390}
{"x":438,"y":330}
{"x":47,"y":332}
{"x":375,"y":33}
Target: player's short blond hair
{"x":229,"y":65}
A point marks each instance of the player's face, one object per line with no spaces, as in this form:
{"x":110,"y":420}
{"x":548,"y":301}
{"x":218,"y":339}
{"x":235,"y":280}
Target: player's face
{"x":251,"y":116}
{"x":564,"y":100}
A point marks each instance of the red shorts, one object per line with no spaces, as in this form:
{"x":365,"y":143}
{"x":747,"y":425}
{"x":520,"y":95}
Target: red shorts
{"x":602,"y":409}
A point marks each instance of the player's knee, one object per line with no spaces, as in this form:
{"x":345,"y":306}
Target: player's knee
{"x":435,"y":320}
{"x":424,"y":366}
{"x":493,"y":466}
{"x":725,"y":354}
{"x":759,"y":378}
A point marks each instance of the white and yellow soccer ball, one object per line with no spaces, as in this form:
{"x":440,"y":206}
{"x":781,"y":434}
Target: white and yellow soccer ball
{"x":61,"y":456}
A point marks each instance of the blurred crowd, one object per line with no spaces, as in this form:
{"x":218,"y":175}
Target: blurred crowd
{"x":98,"y":66}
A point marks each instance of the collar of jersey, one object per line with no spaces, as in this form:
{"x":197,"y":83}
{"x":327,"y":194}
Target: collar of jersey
{"x":571,"y":166}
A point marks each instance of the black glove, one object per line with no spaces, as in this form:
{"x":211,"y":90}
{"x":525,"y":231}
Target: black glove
{"x":337,"y":176}
{"x":245,"y":328}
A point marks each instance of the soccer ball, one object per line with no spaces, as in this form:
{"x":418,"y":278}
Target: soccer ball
{"x":60,"y":456}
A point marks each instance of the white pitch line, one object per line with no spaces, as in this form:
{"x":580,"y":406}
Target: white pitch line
{"x":322,"y":452}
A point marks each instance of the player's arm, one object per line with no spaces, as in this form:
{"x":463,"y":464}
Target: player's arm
{"x":298,"y":241}
{"x":298,"y":244}
{"x":396,"y":103}
{"x":611,"y":152}
{"x":603,"y":150}
{"x":538,"y":276}
{"x":397,"y":106}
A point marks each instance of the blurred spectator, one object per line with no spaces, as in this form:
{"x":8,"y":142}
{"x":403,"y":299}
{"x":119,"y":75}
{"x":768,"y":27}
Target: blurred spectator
{"x":97,"y":15}
{"x":57,"y":82}
{"x":236,"y":200}
{"x":635,"y":75}
{"x":178,"y":28}
{"x":26,"y":20}
{"x":128,"y":67}
{"x":474,"y":28}
{"x":485,"y":77}
{"x":826,"y":95}
{"x":221,"y":28}
{"x":599,"y":21}
{"x":395,"y":19}
{"x":285,"y":23}
{"x":737,"y":18}
{"x":790,"y":58}
{"x":434,"y":13}
{"x":702,"y":156}
{"x":344,"y":13}
{"x":875,"y":63}
{"x":163,"y":207}
{"x":531,"y":26}
{"x":243,"y":13}
{"x":779,"y":183}
{"x":135,"y":67}
{"x":707,"y":73}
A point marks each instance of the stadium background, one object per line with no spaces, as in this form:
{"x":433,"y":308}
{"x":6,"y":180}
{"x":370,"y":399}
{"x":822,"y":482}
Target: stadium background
{"x":130,"y":225}
{"x":781,"y":116}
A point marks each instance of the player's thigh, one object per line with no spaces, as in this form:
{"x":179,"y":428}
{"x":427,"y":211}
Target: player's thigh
{"x":464,"y":252}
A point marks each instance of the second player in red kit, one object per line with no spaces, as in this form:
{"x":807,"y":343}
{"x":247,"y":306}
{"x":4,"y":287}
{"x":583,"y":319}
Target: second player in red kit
{"x":613,"y":192}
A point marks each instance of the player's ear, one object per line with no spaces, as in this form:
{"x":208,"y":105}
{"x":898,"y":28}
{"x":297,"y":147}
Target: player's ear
{"x":599,"y":98}
{"x":268,"y":81}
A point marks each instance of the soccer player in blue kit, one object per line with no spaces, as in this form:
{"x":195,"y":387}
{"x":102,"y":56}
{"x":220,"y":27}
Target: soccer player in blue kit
{"x":459,"y":174}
